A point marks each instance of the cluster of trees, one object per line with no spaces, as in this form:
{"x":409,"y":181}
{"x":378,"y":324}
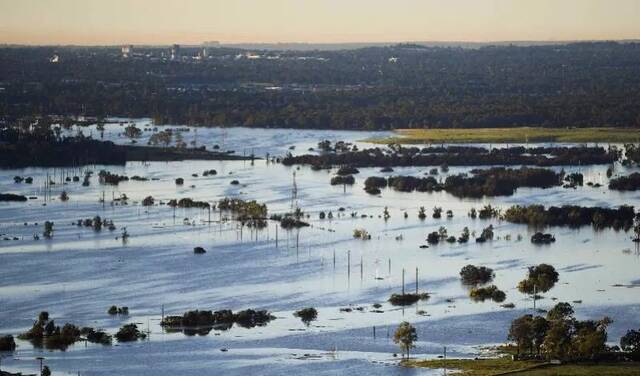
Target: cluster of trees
{"x":458,"y":156}
{"x":250,"y":212}
{"x":571,"y":215}
{"x":223,"y":319}
{"x":496,"y":181}
{"x":581,"y":84}
{"x":45,"y":332}
{"x":560,"y":335}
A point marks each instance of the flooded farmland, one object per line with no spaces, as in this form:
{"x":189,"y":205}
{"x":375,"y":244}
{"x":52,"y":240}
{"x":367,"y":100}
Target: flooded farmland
{"x":147,"y":262}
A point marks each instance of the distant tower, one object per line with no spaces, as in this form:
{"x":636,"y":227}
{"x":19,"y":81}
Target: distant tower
{"x":175,"y":52}
{"x":127,"y":51}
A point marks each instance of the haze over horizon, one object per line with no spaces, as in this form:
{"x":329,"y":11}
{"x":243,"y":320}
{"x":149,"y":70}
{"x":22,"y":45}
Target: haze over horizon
{"x":92,"y":22}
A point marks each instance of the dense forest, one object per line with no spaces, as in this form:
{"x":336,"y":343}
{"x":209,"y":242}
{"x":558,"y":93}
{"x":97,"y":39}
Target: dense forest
{"x":402,"y":86}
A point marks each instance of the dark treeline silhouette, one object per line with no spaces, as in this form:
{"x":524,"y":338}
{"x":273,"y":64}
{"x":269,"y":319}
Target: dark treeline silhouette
{"x":456,"y":156}
{"x":43,"y":148}
{"x":403,"y":86}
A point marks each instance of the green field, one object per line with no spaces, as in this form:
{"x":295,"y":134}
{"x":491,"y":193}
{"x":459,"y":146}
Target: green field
{"x":485,"y":367}
{"x":512,"y":135}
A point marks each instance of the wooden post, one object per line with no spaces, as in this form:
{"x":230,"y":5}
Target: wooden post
{"x":374,"y":332}
{"x":389,"y":265}
{"x":416,"y":281}
{"x":276,"y":234}
{"x":402,"y":281}
{"x":361,"y":269}
{"x":349,"y":263}
{"x":334,"y":259}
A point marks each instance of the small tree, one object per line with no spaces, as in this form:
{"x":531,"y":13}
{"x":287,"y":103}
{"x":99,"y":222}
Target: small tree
{"x":630,"y":343}
{"x":45,"y":371}
{"x":405,"y":336}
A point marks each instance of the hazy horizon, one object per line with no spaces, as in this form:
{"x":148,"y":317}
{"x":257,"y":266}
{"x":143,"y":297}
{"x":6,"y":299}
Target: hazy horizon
{"x":163,"y":22}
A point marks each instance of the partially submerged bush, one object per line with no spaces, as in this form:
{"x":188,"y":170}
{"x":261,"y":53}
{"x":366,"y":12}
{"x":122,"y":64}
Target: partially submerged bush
{"x":199,"y":251}
{"x":480,"y":294}
{"x":361,"y":233}
{"x":540,"y":238}
{"x":307,"y":314}
{"x":96,"y":336}
{"x":476,"y":275}
{"x":129,"y":333}
{"x":148,"y":201}
{"x":347,"y":170}
{"x":340,"y":180}
{"x":407,"y":299}
{"x":541,"y":278}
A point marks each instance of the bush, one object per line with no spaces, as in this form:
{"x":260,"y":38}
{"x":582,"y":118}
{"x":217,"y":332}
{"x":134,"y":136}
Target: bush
{"x":307,"y":314}
{"x":540,"y":238}
{"x":474,"y":275}
{"x":480,"y":294}
{"x":541,"y":278}
{"x":347,"y":170}
{"x":129,"y":333}
{"x":340,"y":180}
{"x":407,"y":299}
{"x":199,"y":251}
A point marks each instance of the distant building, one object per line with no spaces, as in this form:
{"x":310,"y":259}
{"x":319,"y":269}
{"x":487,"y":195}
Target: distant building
{"x":127,"y":51}
{"x":175,"y":52}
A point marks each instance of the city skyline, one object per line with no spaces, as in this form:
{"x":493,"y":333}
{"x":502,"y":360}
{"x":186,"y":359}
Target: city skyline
{"x":163,"y":22}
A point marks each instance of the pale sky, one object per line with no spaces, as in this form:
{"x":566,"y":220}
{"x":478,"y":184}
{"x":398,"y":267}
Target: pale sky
{"x":114,"y":22}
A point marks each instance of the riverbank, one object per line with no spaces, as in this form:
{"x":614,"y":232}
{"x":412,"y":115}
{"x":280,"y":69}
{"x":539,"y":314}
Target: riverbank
{"x":506,"y":366}
{"x":510,"y":135}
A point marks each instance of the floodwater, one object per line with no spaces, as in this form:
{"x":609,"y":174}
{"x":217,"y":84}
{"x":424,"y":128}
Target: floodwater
{"x":79,"y":273}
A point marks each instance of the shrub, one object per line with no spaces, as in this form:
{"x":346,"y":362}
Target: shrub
{"x":483,"y":293}
{"x":307,"y":314}
{"x":474,"y":275}
{"x":129,"y":333}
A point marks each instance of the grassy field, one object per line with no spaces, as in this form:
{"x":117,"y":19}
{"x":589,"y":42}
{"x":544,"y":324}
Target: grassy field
{"x":512,"y":135}
{"x":485,"y":367}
